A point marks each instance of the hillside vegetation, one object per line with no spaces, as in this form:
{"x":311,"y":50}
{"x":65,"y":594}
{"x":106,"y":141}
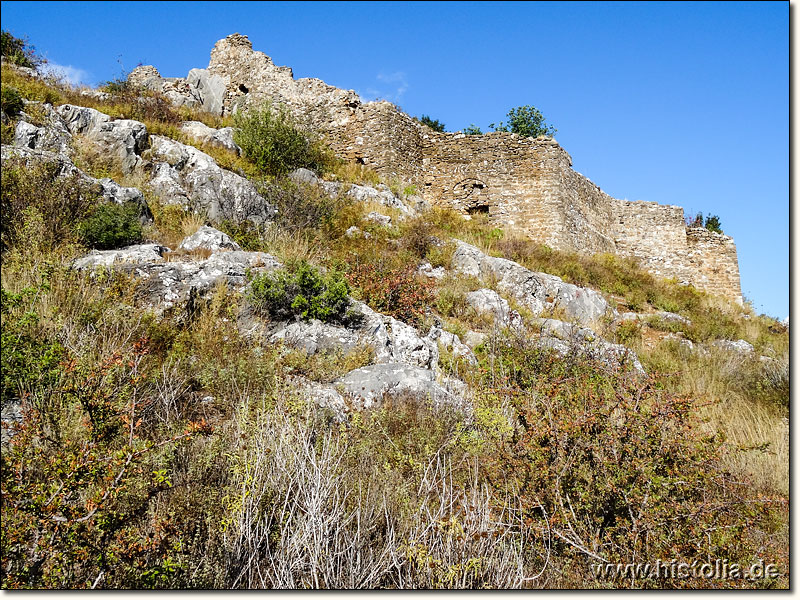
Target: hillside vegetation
{"x":148,"y":446}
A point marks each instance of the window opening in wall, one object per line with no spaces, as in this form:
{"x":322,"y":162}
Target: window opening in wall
{"x":243,"y":88}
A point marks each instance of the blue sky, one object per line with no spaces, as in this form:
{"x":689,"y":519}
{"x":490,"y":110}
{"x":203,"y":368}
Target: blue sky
{"x":679,"y":103}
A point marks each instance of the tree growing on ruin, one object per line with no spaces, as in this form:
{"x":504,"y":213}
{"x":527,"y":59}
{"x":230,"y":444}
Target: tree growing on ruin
{"x":526,"y":121}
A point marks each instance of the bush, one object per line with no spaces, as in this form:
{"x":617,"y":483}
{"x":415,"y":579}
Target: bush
{"x":29,"y":362}
{"x":392,"y":290}
{"x":526,"y":121}
{"x":472,"y":129}
{"x":11,"y":101}
{"x":270,"y":138}
{"x":711,"y":222}
{"x":299,"y":206}
{"x":435,"y":125}
{"x":112,"y":226}
{"x":18,"y":51}
{"x":615,"y":468}
{"x":302,"y":292}
{"x":40,"y":208}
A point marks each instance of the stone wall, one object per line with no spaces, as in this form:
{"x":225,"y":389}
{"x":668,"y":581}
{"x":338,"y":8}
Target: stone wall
{"x":523,"y":183}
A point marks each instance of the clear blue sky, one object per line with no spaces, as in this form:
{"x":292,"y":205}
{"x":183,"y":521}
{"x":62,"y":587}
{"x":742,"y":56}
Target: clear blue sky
{"x":679,"y":103}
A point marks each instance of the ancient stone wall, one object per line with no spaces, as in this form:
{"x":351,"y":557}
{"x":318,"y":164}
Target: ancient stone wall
{"x":524,"y":183}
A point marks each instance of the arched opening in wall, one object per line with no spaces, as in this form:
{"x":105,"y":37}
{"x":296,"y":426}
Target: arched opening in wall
{"x":472,"y":196}
{"x":478,"y":209}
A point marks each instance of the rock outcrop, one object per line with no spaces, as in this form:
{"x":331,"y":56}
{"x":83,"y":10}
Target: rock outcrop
{"x":183,"y":175}
{"x":535,"y":291}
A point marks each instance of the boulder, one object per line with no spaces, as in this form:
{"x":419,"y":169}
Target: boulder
{"x":184,"y":175}
{"x":131,"y":255}
{"x":122,"y":139}
{"x":52,"y":136}
{"x":393,"y":341}
{"x":381,"y":195}
{"x":452,"y":343}
{"x":368,"y":385}
{"x":427,"y":270}
{"x":208,"y":135}
{"x":208,"y":238}
{"x":211,"y":89}
{"x":303,"y":176}
{"x":108,"y":189}
{"x":536,"y":291}
{"x":740,"y":347}
{"x":489,"y":301}
{"x":379,"y":219}
{"x":473,"y":339}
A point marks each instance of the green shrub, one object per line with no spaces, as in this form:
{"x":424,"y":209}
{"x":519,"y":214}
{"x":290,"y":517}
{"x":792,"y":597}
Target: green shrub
{"x":302,"y":292}
{"x":11,"y":101}
{"x":270,"y":139}
{"x":30,"y":362}
{"x":112,"y":226}
{"x":40,"y":208}
{"x":713,"y":224}
{"x":433,"y":124}
{"x":472,"y":129}
{"x":526,"y":121}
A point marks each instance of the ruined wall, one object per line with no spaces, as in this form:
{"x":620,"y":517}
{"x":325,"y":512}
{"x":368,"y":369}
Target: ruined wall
{"x":524,"y":183}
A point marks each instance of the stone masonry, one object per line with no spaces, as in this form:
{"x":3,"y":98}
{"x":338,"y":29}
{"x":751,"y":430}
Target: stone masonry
{"x":524,"y":183}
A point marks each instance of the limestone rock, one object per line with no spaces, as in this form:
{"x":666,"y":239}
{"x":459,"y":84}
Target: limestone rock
{"x":473,"y":339}
{"x":741,"y":347}
{"x":136,"y":254}
{"x":108,"y":189}
{"x":315,"y":336}
{"x":52,"y":136}
{"x":534,"y":290}
{"x":208,"y":238}
{"x":304,"y":176}
{"x":486,"y":300}
{"x":382,"y":195}
{"x":567,"y":338}
{"x":378,"y":218}
{"x":184,"y":175}
{"x":392,"y":340}
{"x":426,"y":269}
{"x":452,"y":343}
{"x":216,"y":137}
{"x":210,"y":88}
{"x":368,"y":385}
{"x":123,"y":139}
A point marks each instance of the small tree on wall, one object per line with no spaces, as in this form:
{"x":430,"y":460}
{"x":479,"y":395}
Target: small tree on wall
{"x":711,"y":222}
{"x":526,"y":121}
{"x":434,"y":124}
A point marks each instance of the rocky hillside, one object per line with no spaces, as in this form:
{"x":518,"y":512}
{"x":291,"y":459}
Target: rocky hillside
{"x":226,"y":364}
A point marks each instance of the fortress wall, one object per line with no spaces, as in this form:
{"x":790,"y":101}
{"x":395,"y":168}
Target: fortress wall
{"x":516,"y":180}
{"x":649,"y":232}
{"x":524,"y":183}
{"x":712,"y":264}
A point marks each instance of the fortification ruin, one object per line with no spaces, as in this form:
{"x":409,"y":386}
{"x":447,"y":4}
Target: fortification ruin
{"x":524,"y":183}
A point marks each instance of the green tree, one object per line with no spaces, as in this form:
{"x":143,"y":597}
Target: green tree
{"x":435,"y":125}
{"x":473,"y":130}
{"x":18,"y":51}
{"x":271,"y":139}
{"x":526,"y":121}
{"x":713,"y":223}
